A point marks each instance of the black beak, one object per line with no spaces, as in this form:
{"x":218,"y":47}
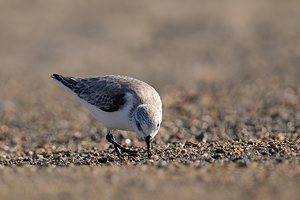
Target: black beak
{"x":148,"y":142}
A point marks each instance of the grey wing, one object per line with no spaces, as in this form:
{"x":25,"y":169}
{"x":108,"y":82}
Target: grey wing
{"x":104,"y":92}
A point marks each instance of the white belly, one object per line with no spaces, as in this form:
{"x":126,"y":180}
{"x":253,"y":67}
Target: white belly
{"x":113,"y":120}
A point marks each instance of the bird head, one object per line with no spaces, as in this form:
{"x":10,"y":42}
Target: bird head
{"x":146,"y":122}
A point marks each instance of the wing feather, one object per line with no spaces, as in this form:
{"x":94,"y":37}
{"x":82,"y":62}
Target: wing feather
{"x":104,"y":92}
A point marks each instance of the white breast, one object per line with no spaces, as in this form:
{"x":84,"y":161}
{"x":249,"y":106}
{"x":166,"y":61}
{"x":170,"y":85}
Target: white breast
{"x":113,"y":120}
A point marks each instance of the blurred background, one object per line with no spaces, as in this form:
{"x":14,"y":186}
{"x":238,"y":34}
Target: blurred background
{"x":217,"y":52}
{"x":158,"y":41}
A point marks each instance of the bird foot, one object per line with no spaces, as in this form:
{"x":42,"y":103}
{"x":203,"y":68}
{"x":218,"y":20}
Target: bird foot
{"x":129,"y":151}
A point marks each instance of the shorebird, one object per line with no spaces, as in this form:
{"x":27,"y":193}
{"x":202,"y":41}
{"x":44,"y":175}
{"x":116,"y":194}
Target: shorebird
{"x":119,"y":102}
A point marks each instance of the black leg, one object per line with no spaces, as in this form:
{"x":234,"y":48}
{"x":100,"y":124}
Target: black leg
{"x":111,"y":139}
{"x":117,"y":146}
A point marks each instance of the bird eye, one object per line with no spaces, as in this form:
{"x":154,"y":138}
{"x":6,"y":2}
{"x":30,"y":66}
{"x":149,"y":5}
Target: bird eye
{"x":157,"y":125}
{"x":139,"y":126}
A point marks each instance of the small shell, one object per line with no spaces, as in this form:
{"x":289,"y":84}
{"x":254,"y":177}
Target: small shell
{"x":127,"y":163}
{"x":154,"y":157}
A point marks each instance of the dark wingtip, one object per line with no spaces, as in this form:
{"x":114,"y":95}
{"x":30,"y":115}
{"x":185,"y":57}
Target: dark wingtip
{"x":56,"y":76}
{"x":67,"y":81}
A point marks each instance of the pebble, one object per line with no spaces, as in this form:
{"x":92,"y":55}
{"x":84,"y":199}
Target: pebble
{"x":154,"y":157}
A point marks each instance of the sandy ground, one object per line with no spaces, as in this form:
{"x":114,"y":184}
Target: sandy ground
{"x":228,"y":74}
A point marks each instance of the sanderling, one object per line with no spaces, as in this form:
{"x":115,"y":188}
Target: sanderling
{"x":119,"y":102}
